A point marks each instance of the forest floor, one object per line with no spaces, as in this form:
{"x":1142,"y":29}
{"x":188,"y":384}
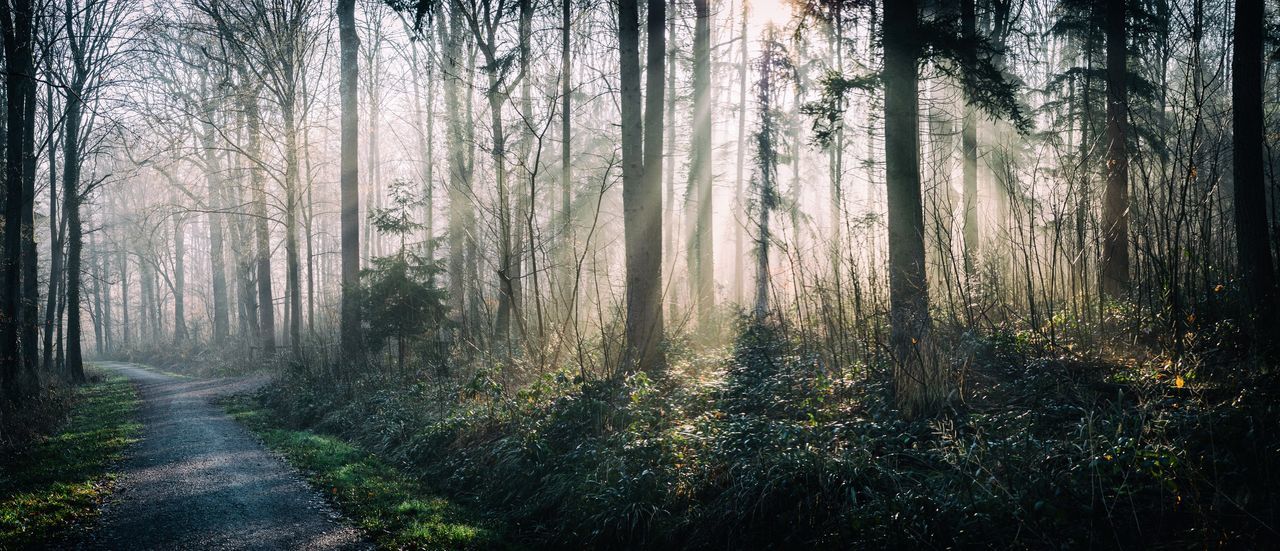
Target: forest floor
{"x":51,"y":488}
{"x":198,"y":480}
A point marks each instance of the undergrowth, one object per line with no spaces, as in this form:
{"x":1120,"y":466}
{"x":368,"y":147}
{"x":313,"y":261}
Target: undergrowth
{"x":54,"y":487}
{"x":767,"y":448}
{"x":393,"y":509}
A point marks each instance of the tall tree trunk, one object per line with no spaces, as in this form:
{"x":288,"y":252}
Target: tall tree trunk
{"x":524,"y":229}
{"x":670,"y":229}
{"x":95,"y":276}
{"x":424,"y":126}
{"x":104,"y":271}
{"x":739,"y":234}
{"x":122,"y":260}
{"x":1115,"y":201}
{"x":1253,"y":244}
{"x":55,"y":235}
{"x":348,"y":87}
{"x":293,"y":262}
{"x":701,"y":163}
{"x":179,"y":280}
{"x":506,"y":268}
{"x":16,"y":25}
{"x":567,"y":272}
{"x":71,"y":210}
{"x":308,"y":221}
{"x":642,"y":182}
{"x":766,"y":177}
{"x":30,"y":313}
{"x":266,"y":297}
{"x":213,"y":182}
{"x":918,"y":381}
{"x":969,"y":154}
{"x":449,"y":31}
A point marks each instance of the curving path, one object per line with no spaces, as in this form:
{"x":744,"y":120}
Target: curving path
{"x":198,"y":480}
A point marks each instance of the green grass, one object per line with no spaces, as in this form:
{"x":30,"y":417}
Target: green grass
{"x":55,"y":488}
{"x":395,"y":510}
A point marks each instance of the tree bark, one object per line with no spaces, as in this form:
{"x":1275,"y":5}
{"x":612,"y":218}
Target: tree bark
{"x":700,"y":164}
{"x":16,"y":25}
{"x":1115,"y":201}
{"x":642,"y":182}
{"x":75,"y":234}
{"x":1253,"y":242}
{"x":349,"y":46}
{"x":449,"y":31}
{"x":293,"y":261}
{"x":55,"y":236}
{"x":262,"y":235}
{"x":918,"y":382}
{"x":213,"y":182}
{"x":969,"y":154}
{"x":566,"y":150}
{"x":179,"y":281}
{"x":739,"y":241}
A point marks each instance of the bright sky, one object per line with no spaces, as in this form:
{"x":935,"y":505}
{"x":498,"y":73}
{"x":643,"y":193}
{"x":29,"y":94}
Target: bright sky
{"x":764,"y":12}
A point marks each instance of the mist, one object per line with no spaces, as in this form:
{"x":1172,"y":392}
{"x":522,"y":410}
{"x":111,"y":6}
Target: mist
{"x":671,"y":273}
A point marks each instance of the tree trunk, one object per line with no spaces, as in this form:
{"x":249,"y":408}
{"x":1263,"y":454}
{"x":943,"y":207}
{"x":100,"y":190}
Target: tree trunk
{"x":506,"y":274}
{"x":266,"y":297}
{"x":123,"y":261}
{"x":213,"y":181}
{"x":969,"y":153}
{"x":642,"y":182}
{"x":179,"y":281}
{"x":424,"y":127}
{"x":30,"y":313}
{"x":293,"y":262}
{"x":95,"y":276}
{"x":71,"y":210}
{"x":739,"y":234}
{"x":567,"y":273}
{"x":701,"y":164}
{"x":1115,"y":201}
{"x":459,"y":185}
{"x":349,"y":45}
{"x":55,"y":236}
{"x":670,"y":229}
{"x":918,"y":380}
{"x":16,"y":25}
{"x":1253,"y":244}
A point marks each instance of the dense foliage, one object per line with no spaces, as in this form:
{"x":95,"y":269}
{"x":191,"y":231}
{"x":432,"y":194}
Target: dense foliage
{"x":1046,"y":450}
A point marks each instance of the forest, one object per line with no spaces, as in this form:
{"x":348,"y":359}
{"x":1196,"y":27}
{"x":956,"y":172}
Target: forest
{"x":741,"y":274}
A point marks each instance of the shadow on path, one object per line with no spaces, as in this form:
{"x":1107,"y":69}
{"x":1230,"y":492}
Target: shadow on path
{"x":198,"y":480}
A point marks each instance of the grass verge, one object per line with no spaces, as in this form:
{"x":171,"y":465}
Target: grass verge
{"x":55,"y":487}
{"x":391,"y":507}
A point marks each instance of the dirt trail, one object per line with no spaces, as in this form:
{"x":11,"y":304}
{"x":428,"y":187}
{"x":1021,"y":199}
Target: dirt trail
{"x":198,"y":480}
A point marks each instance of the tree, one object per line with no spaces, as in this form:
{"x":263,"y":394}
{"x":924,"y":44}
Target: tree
{"x":703,"y":254}
{"x":91,"y":29}
{"x":739,"y":236}
{"x":918,"y":379}
{"x":566,"y":154}
{"x":775,"y":70}
{"x":397,"y":295}
{"x":17,"y":24}
{"x":1115,"y":201}
{"x":1253,"y":246}
{"x":349,"y":46}
{"x":642,"y":182}
{"x":969,"y":151}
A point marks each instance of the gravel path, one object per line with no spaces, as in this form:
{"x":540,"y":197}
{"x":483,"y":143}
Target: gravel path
{"x":198,"y":480}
